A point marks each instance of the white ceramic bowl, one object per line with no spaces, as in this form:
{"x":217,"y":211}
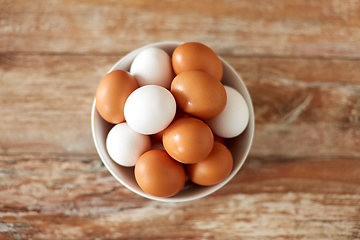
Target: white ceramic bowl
{"x":239,"y":146}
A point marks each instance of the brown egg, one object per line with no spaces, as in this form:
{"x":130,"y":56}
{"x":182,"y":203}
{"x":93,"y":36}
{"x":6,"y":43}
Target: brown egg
{"x":158,"y":174}
{"x":188,"y":140}
{"x":193,"y":56}
{"x":112,"y":93}
{"x":213,"y":169}
{"x":199,"y":94}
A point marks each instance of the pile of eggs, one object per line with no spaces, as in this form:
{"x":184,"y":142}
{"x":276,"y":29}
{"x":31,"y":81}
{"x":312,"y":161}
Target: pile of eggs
{"x":171,"y":116}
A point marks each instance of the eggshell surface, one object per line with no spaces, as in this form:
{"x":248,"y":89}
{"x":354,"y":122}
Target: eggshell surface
{"x":194,"y":56}
{"x":158,"y":174}
{"x":112,"y":93}
{"x":199,"y":94}
{"x":213,"y":169}
{"x":125,"y":146}
{"x":150,"y":109}
{"x":188,"y":140}
{"x":152,"y":66}
{"x":233,"y":120}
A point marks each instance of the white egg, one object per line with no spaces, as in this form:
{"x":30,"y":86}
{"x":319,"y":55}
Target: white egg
{"x":149,"y":109}
{"x":125,"y":146}
{"x":233,"y":120}
{"x":152,"y":66}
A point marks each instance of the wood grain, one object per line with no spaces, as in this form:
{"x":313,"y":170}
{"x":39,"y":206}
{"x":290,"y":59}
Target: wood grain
{"x":74,"y":197}
{"x":262,"y":27}
{"x":46,"y":101}
{"x":300,"y":61}
{"x":303,"y":107}
{"x":46,"y":104}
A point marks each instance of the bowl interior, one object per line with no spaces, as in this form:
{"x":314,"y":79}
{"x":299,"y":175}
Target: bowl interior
{"x":239,"y":146}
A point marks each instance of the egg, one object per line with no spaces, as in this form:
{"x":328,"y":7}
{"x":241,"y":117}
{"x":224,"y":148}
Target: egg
{"x":125,"y":146}
{"x":158,"y":174}
{"x":194,"y":56}
{"x":233,"y":120}
{"x":188,"y":140}
{"x":199,"y":94}
{"x":157,"y":137}
{"x":213,"y":169}
{"x":149,"y":109}
{"x":112,"y":93}
{"x":152,"y":66}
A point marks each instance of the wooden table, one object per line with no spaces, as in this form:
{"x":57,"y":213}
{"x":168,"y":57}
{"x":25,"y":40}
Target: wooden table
{"x":300,"y":60}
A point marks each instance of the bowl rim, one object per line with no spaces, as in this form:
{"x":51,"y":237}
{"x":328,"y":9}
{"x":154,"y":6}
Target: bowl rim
{"x":251,"y":126}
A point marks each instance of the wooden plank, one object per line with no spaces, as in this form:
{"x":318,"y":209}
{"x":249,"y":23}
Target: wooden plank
{"x":61,"y":196}
{"x":300,"y":60}
{"x":46,"y":101}
{"x":303,"y":107}
{"x":327,"y":28}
